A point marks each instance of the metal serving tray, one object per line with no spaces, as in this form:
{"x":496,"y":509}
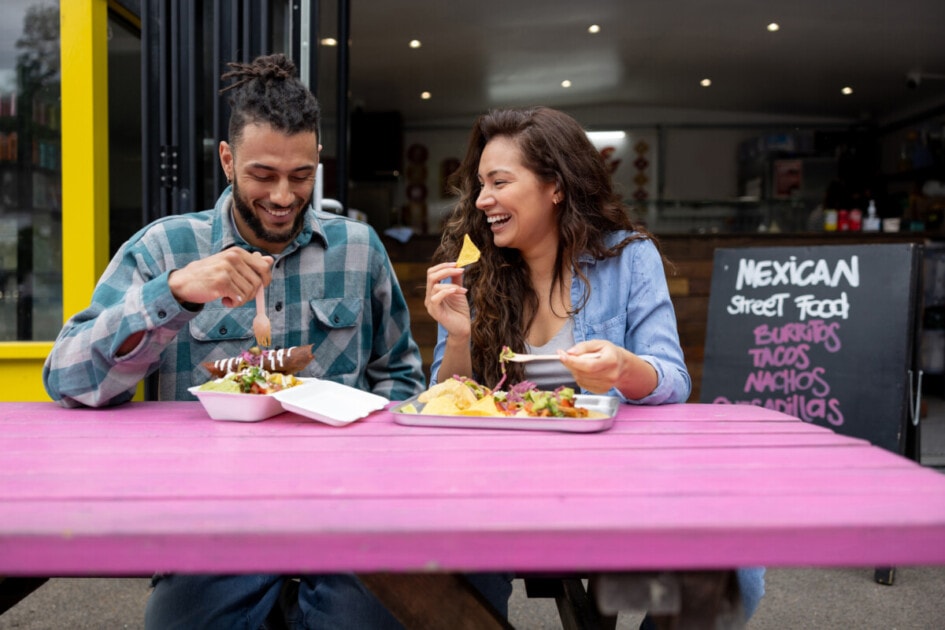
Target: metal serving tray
{"x":607,"y":405}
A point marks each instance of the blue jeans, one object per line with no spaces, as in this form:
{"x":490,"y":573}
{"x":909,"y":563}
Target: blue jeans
{"x":751,"y":583}
{"x":242,"y":602}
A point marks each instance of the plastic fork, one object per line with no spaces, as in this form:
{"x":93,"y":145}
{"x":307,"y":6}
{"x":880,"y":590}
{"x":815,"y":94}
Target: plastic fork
{"x":262,"y":327}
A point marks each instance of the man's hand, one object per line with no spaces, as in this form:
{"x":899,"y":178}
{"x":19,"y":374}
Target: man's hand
{"x":232,"y":276}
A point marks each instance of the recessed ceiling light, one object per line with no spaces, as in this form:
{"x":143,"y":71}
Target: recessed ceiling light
{"x":425,"y":96}
{"x":415,"y":43}
{"x":847,"y":90}
{"x":593,"y":28}
{"x":705,"y":82}
{"x":565,"y":84}
{"x":774,"y":26}
{"x":329,"y":41}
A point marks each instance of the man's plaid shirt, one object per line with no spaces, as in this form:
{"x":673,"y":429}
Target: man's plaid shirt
{"x":333,"y":287}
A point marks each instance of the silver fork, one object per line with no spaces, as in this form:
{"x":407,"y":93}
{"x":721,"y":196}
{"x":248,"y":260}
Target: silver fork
{"x":525,"y":358}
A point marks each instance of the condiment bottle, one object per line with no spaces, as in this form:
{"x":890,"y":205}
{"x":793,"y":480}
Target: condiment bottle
{"x":856,"y":219}
{"x":871,"y":222}
{"x":843,"y":220}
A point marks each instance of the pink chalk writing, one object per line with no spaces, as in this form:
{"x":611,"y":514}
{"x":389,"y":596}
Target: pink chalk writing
{"x":797,"y":405}
{"x":814,"y":331}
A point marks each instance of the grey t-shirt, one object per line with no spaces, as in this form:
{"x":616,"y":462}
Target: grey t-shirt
{"x":552,"y":374}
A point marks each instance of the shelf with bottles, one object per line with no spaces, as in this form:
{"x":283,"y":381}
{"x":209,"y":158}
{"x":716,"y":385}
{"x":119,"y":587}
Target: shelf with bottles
{"x":725,"y":216}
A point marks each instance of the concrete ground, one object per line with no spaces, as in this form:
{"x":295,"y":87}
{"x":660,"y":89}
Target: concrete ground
{"x":796,"y":598}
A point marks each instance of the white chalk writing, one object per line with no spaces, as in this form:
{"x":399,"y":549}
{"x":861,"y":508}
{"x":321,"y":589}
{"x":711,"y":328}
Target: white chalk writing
{"x":794,"y":272}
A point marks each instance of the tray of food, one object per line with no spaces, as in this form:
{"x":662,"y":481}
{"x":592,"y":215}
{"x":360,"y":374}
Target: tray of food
{"x":463,"y":403}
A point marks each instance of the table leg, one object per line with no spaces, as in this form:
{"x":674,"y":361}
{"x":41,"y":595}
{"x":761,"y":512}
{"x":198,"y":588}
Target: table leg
{"x":884,"y":575}
{"x":576,"y":606}
{"x":434,"y":601}
{"x":12,"y":590}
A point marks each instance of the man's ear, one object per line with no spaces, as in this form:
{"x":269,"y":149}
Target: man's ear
{"x":226,"y":160}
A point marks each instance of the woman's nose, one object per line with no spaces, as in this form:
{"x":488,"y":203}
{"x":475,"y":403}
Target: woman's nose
{"x":484,"y":200}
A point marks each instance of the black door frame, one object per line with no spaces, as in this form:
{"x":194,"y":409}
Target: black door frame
{"x":185,"y":45}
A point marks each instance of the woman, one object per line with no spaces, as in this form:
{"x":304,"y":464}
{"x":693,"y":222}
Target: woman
{"x":563,"y":269}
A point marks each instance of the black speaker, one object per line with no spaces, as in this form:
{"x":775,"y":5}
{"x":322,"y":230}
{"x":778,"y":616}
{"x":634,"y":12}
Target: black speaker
{"x":377,"y":146}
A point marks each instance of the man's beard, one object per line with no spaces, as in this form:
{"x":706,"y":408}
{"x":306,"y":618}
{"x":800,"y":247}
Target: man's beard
{"x":255,"y":225}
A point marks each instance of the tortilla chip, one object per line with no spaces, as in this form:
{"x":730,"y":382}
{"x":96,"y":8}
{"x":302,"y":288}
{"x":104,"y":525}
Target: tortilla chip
{"x":482,"y":407}
{"x":441,"y":406}
{"x":468,"y":254}
{"x":460,"y":393}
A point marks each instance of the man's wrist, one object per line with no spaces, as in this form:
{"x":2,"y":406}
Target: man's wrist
{"x":193,"y":307}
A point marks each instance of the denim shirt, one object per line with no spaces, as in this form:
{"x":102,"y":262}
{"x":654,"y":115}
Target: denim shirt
{"x":629,"y":306}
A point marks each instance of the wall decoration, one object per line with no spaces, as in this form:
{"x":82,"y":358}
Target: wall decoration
{"x":416,"y":191}
{"x":641,"y":164}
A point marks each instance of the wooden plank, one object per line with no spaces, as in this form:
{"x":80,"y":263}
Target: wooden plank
{"x":408,"y":535}
{"x":631,"y":439}
{"x":678,"y":286}
{"x":140,"y":485}
{"x":418,"y":601}
{"x":459,"y":463}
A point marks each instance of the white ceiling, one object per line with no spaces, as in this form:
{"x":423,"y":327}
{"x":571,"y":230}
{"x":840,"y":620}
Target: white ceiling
{"x":650,"y":54}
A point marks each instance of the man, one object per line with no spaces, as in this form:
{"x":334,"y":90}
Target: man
{"x":180,"y":292}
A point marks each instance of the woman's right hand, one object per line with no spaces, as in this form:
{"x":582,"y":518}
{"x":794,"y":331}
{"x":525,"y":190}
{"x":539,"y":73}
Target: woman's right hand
{"x":446,"y":301}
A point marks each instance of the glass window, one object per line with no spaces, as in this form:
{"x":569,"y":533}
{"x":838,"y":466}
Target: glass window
{"x":30,"y":172}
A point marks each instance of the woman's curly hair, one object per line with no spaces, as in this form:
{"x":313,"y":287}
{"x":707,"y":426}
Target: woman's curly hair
{"x":556,"y":148}
{"x":267,"y":91}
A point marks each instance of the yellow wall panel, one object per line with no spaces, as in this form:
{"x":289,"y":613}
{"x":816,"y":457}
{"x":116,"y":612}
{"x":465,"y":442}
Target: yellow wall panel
{"x":84,"y":32}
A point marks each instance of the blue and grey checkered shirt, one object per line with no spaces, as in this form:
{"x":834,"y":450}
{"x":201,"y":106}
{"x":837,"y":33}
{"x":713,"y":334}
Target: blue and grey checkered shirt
{"x":333,"y":287}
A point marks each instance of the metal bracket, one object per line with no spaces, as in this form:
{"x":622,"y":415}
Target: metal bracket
{"x":169,"y":166}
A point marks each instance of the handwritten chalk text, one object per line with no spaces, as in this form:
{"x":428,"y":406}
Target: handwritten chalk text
{"x":815,"y":331}
{"x":807,"y":306}
{"x":798,"y":273}
{"x":797,"y":405}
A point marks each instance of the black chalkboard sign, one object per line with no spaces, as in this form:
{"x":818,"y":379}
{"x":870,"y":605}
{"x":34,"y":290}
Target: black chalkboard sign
{"x":823,"y":333}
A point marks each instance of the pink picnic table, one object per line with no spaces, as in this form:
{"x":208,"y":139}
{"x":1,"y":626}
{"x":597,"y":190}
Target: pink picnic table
{"x":160,"y":487}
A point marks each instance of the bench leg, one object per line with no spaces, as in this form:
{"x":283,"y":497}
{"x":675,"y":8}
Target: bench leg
{"x":434,"y":601}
